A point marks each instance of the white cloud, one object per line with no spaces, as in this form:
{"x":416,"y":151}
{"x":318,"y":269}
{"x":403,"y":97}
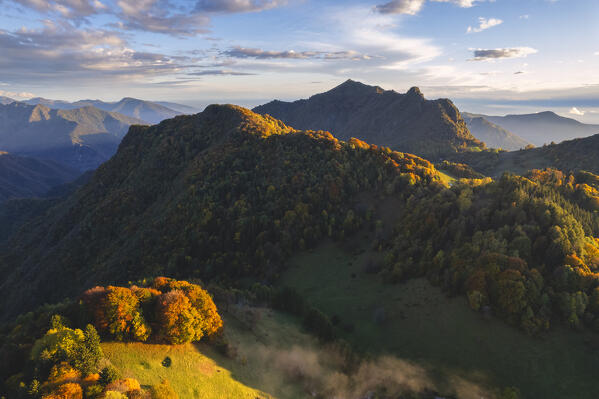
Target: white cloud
{"x":461,"y":3}
{"x":576,"y":111}
{"x":525,"y":16}
{"x":412,"y":7}
{"x":499,"y":53}
{"x":484,"y":23}
{"x":17,"y":95}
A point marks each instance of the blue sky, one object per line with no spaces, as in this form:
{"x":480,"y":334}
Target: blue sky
{"x":488,"y":56}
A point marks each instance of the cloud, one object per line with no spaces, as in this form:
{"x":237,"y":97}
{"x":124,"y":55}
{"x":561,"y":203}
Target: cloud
{"x":242,"y":52}
{"x":185,"y":18}
{"x":17,"y":95}
{"x":525,"y":16}
{"x":484,"y":23}
{"x":157,"y":16}
{"x":66,"y":8}
{"x":576,"y":111}
{"x":233,"y":6}
{"x":219,"y":72}
{"x":61,"y":52}
{"x":413,"y":7}
{"x":499,"y":53}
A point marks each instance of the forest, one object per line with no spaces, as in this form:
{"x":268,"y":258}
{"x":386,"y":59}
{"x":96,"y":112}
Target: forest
{"x":226,"y":197}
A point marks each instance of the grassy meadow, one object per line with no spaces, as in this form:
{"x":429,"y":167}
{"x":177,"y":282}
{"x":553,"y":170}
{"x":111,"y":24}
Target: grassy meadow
{"x":199,"y":371}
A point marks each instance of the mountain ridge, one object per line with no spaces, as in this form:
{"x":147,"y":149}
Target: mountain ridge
{"x":493,"y":135}
{"x":405,"y":122}
{"x":147,"y":111}
{"x":191,"y":171}
{"x":543,"y":127}
{"x":81,"y":137}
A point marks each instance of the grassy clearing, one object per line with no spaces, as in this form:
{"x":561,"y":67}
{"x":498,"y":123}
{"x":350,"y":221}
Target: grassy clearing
{"x":199,"y":371}
{"x":422,"y":325}
{"x":446,"y":178}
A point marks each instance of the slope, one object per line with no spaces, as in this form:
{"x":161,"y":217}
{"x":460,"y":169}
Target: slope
{"x":30,"y":177}
{"x":405,"y":122}
{"x":81,"y":138}
{"x":491,"y":134}
{"x":220,"y":195}
{"x":569,"y":155}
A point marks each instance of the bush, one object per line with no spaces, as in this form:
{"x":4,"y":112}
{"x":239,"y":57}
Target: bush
{"x":163,"y":391}
{"x":108,"y":375}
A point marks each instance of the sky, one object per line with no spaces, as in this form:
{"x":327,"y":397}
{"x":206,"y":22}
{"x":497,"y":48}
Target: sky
{"x":489,"y":56}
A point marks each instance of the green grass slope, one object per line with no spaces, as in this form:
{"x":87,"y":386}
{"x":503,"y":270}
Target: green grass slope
{"x":418,"y":322}
{"x":199,"y":371}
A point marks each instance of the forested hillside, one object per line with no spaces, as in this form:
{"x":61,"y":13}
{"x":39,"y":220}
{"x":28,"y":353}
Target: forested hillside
{"x":30,"y":177}
{"x":219,"y":195}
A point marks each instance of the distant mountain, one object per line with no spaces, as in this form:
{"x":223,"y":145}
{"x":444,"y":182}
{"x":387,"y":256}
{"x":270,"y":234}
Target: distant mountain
{"x":6,"y":100}
{"x":568,"y":156}
{"x":29,"y":177}
{"x":543,"y":127}
{"x":405,"y":122}
{"x":493,"y":135}
{"x":82,"y":138}
{"x":55,"y":104}
{"x":146,"y":111}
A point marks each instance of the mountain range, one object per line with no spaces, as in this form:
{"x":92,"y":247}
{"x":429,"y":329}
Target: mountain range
{"x":146,"y":111}
{"x":542,"y":128}
{"x":405,"y":122}
{"x":81,"y":138}
{"x":493,"y":135}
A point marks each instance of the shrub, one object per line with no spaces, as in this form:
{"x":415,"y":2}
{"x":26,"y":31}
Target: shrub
{"x":108,"y":375}
{"x":163,"y":391}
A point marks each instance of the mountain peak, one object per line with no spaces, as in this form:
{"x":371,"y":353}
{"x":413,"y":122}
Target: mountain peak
{"x":405,"y":122}
{"x":415,"y":92}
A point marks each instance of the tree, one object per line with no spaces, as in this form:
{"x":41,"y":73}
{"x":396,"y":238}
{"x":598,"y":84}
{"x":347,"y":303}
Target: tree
{"x":89,"y":352}
{"x":179,"y":321}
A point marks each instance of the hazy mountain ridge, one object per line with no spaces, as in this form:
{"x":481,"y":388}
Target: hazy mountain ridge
{"x":81,"y":138}
{"x":6,"y":100}
{"x":493,"y":135}
{"x":405,"y":122}
{"x":543,"y":127}
{"x":147,"y":111}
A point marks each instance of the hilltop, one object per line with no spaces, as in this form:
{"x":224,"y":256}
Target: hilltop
{"x":217,"y":184}
{"x":404,"y":122}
